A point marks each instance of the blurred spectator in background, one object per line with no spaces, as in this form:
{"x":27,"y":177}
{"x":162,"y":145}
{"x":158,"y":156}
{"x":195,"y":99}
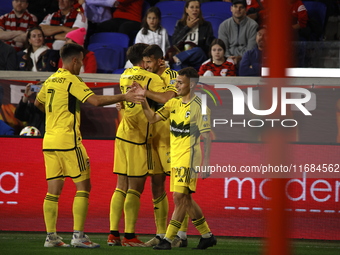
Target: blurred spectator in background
{"x":252,"y":61}
{"x":8,"y":57}
{"x":126,"y":18}
{"x":4,"y":128}
{"x":26,"y":111}
{"x":192,"y":36}
{"x":96,"y":11}
{"x":13,"y":25}
{"x":256,"y":10}
{"x":218,"y":64}
{"x":89,"y":62}
{"x":37,"y":57}
{"x":152,"y":31}
{"x":299,"y":20}
{"x":40,"y":8}
{"x":238,"y":32}
{"x":56,"y":25}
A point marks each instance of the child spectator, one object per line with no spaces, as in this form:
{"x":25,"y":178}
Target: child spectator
{"x":89,"y":62}
{"x":152,"y":31}
{"x":218,"y":64}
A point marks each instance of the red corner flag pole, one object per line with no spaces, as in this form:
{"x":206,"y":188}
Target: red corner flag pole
{"x":278,"y":52}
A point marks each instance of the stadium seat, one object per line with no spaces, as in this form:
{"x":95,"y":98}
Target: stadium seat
{"x":169,"y":23}
{"x":317,"y":11}
{"x":216,"y":13}
{"x":112,"y":43}
{"x":109,"y":57}
{"x":146,"y":6}
{"x":171,"y":8}
{"x":5,"y":7}
{"x":111,"y":38}
{"x":171,"y":11}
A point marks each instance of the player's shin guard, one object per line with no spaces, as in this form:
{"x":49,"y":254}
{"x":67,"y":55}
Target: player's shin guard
{"x":80,"y":207}
{"x":50,"y":208}
{"x":161,"y":209}
{"x":202,"y":226}
{"x":172,"y":230}
{"x":116,"y":208}
{"x":131,"y":209}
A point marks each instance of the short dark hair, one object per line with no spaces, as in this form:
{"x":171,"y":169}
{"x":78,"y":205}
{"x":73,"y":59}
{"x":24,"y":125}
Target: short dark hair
{"x":243,"y":2}
{"x":190,"y":73}
{"x":135,"y":53}
{"x":153,"y":50}
{"x":70,"y":50}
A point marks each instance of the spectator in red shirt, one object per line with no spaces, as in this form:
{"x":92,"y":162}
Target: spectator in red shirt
{"x":56,"y":25}
{"x":299,"y":20}
{"x":89,"y":62}
{"x":14,"y":25}
{"x":126,"y":18}
{"x":218,"y":64}
{"x":256,"y":10}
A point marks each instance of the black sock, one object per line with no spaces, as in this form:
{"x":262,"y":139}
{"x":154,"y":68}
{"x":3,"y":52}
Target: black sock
{"x":115,"y":233}
{"x":129,"y":235}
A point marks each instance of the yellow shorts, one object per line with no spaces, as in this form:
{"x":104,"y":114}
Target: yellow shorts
{"x":61,"y":164}
{"x":131,"y":159}
{"x":183,"y":180}
{"x":161,"y":157}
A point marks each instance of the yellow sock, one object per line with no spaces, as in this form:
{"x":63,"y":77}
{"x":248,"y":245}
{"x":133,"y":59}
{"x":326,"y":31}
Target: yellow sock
{"x":80,"y":207}
{"x":185,"y":222}
{"x":131,"y":209}
{"x":50,"y":208}
{"x":161,"y":209}
{"x":172,"y":230}
{"x":201,"y":225}
{"x":116,"y":208}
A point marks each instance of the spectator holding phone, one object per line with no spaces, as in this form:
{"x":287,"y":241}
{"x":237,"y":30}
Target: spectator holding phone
{"x":26,"y":111}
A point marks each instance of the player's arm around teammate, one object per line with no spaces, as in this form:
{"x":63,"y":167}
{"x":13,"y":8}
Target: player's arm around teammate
{"x":64,"y":154}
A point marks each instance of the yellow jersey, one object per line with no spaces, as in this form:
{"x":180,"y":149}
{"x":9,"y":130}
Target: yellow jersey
{"x":186,"y":125}
{"x":134,"y":127}
{"x":161,"y":129}
{"x":61,"y":94}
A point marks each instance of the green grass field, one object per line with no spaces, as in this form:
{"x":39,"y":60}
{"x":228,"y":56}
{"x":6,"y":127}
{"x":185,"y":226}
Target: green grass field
{"x":32,"y":243}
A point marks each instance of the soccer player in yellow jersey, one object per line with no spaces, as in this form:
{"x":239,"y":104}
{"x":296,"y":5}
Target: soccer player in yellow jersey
{"x":64,"y":154}
{"x":186,"y":125}
{"x":132,"y":139}
{"x":154,"y":62}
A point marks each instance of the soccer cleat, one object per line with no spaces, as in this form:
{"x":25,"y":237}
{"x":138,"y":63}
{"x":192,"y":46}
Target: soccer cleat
{"x":163,"y":245}
{"x":153,"y":242}
{"x":113,"y":240}
{"x":133,"y":242}
{"x":206,"y":242}
{"x":54,"y":241}
{"x":83,"y":242}
{"x":178,"y":242}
